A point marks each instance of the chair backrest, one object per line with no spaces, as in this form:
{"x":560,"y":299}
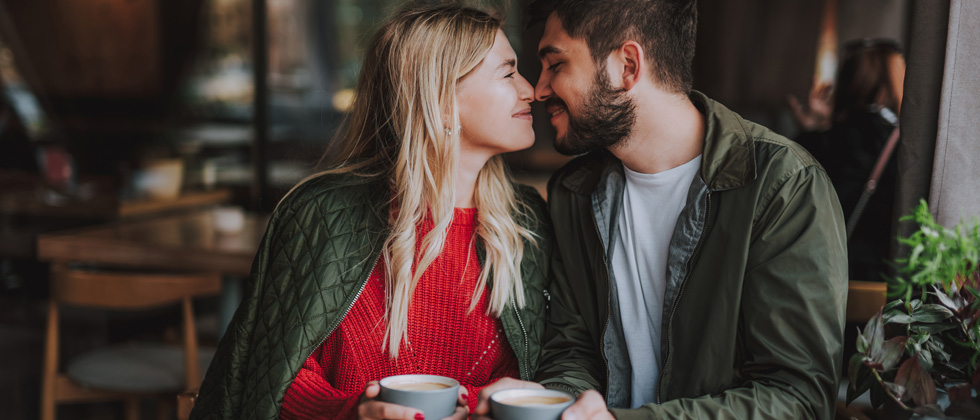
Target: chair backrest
{"x":128,"y":290}
{"x":864,"y":299}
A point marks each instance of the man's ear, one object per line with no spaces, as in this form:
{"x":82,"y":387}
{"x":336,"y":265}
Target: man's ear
{"x":631,"y":62}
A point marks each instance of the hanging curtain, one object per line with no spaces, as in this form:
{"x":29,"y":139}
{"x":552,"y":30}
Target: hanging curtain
{"x":954,"y":194}
{"x":920,"y":110}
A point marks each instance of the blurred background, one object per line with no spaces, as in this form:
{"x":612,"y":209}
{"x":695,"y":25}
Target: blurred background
{"x":117,"y":111}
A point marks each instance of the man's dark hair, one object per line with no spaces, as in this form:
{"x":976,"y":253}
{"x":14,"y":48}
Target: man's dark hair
{"x":666,"y":29}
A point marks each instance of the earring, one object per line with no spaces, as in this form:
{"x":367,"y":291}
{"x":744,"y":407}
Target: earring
{"x":449,"y":131}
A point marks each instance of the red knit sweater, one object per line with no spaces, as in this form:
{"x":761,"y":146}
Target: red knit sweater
{"x":443,"y":339}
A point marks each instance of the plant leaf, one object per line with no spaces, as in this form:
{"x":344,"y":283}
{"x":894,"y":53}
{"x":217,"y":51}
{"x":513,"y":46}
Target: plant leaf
{"x":864,"y":380}
{"x":892,"y":352}
{"x":918,"y":384}
{"x":929,"y":410}
{"x":965,"y":409}
{"x":898,"y":317}
{"x":878,"y":395}
{"x":925,"y":359}
{"x":931,"y":312}
{"x":933,"y":328}
{"x":960,"y":392}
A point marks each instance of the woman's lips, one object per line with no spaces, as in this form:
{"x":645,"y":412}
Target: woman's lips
{"x":523,"y":115}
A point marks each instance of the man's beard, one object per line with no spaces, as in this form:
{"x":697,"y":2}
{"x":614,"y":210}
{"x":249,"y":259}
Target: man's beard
{"x":607,"y":119}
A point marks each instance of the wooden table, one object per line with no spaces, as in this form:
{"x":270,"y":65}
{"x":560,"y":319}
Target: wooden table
{"x":184,"y":241}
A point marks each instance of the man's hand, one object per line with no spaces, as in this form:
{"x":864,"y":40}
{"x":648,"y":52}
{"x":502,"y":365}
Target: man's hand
{"x":482,"y":411}
{"x":589,"y":405}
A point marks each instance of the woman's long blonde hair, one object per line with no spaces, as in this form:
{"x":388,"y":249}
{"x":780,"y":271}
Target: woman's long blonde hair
{"x":403,"y":125}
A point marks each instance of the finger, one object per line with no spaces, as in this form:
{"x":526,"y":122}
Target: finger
{"x":464,"y":397}
{"x":372,"y":389}
{"x":382,"y":410}
{"x":589,"y":405}
{"x":460,"y":414}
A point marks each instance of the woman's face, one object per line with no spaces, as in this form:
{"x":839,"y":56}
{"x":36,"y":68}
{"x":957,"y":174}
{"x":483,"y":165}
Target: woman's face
{"x":494,"y":104}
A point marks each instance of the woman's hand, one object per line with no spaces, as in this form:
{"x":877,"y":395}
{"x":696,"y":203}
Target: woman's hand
{"x":816,"y":115}
{"x":462,"y":405}
{"x":482,"y":410}
{"x":370,"y":408}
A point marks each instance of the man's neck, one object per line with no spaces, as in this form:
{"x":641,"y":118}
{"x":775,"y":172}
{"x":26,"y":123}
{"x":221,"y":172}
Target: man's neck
{"x":669,"y":132}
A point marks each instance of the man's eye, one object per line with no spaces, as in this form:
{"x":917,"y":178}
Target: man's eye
{"x":554,"y":67}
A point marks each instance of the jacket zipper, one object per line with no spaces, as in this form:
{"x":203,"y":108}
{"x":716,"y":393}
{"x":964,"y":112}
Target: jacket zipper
{"x":351,"y":305}
{"x":605,"y":265}
{"x":527,"y":357}
{"x":673,"y":307}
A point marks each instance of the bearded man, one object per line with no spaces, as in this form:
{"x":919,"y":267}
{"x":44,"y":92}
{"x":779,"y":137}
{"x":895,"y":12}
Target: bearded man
{"x":701,"y":268}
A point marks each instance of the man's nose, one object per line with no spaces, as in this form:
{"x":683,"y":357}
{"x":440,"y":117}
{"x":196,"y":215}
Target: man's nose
{"x":542,"y":90}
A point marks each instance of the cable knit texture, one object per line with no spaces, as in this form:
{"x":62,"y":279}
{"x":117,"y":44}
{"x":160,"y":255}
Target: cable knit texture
{"x":443,"y":339}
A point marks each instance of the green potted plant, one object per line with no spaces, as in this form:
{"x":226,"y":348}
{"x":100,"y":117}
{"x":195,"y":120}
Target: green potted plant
{"x":925,"y":341}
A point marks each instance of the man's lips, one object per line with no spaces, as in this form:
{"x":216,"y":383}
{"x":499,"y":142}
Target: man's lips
{"x":556,"y":113}
{"x":523,"y":115}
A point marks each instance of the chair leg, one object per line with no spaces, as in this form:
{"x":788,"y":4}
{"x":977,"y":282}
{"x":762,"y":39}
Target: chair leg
{"x":49,"y":378}
{"x":165,"y":408}
{"x":132,"y":409}
{"x":192,"y":365}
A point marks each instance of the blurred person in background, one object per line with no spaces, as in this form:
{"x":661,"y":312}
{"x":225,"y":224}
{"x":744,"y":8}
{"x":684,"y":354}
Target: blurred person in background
{"x":413,"y":253}
{"x":846,"y":131}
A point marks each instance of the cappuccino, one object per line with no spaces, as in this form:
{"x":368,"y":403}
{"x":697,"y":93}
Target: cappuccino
{"x":533,"y":400}
{"x":418,"y":386}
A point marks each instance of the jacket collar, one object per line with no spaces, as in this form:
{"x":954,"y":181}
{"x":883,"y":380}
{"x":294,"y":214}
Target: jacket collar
{"x":728,"y":156}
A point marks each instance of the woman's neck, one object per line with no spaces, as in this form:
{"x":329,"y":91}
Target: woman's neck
{"x":466,"y":176}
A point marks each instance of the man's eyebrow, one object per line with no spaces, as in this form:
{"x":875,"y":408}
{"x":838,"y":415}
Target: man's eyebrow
{"x":508,"y":64}
{"x":548,"y":50}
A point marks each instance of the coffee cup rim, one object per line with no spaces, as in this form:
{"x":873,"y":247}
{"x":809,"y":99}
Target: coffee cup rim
{"x":524,"y":392}
{"x":418,"y":378}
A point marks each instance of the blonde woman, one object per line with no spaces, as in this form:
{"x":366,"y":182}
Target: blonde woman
{"x":413,"y":253}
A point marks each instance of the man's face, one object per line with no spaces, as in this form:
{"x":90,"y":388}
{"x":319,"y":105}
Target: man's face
{"x":586,"y":110}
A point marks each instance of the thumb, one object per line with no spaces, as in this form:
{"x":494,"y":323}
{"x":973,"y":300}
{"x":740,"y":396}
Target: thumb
{"x":372,"y":389}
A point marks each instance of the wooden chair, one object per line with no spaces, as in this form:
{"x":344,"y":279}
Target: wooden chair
{"x":185,"y":403}
{"x":864,"y":299}
{"x":129,"y":372}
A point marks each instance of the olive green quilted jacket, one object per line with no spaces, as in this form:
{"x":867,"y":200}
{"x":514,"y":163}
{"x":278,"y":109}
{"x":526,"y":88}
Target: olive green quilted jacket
{"x":318,"y":252}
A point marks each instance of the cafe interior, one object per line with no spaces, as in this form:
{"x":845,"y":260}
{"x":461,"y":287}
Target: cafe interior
{"x":145,"y":143}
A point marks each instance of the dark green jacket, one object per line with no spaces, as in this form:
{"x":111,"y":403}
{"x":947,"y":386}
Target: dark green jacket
{"x":320,"y":247}
{"x":756,"y":281}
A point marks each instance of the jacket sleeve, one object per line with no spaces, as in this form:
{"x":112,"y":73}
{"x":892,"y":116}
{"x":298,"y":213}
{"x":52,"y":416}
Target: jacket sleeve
{"x":221,"y":392}
{"x":569,"y":360}
{"x":792,"y":313}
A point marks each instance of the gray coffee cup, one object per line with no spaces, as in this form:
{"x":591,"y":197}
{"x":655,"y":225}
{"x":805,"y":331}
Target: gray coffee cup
{"x":529,"y":404}
{"x":435,"y":395}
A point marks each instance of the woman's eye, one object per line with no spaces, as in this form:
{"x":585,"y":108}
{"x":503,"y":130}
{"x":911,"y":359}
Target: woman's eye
{"x":510,"y":75}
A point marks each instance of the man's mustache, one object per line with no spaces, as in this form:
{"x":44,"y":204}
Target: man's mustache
{"x":553,"y":102}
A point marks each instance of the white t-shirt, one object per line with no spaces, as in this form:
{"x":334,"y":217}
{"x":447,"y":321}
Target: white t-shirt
{"x":651,"y":205}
